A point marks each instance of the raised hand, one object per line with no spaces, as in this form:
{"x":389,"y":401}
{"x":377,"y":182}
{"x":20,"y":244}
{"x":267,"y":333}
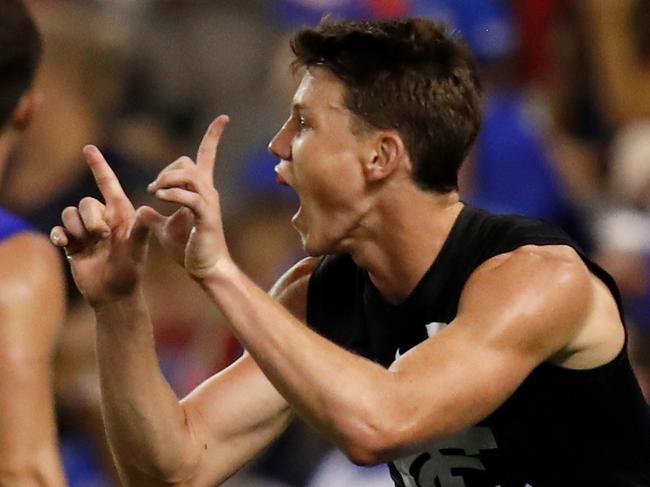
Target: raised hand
{"x":194,"y":233}
{"x":105,"y":244}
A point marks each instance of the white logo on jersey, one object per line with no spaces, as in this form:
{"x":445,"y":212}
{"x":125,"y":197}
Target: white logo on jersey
{"x":432,"y":329}
{"x":434,"y":467}
{"x":427,"y":468}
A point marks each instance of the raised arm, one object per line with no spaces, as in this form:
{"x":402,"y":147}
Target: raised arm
{"x":506,"y":326}
{"x":32,"y":305}
{"x":155,"y":438}
{"x":508,"y":323}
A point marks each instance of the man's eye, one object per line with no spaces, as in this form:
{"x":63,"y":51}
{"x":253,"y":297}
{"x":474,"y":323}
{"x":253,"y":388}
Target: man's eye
{"x":302,"y":122}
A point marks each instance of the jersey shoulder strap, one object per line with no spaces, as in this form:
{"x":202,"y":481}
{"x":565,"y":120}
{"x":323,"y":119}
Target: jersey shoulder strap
{"x":11,"y":224}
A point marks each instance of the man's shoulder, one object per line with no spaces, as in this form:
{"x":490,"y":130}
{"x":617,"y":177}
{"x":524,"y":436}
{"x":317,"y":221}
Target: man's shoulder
{"x":298,"y":274}
{"x":32,"y":293}
{"x":292,"y":287}
{"x":536,"y":267}
{"x":29,"y":261}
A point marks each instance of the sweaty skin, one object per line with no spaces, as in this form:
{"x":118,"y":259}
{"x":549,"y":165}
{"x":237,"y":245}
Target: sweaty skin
{"x":32,"y":306}
{"x":503,"y":330}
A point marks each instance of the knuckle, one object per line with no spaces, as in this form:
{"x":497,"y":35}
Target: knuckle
{"x":162,"y":178}
{"x":68,"y":211}
{"x":184,"y":161}
{"x":87,"y":202}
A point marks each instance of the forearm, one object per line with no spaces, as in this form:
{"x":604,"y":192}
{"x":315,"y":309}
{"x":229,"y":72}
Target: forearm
{"x":304,"y":366}
{"x":147,"y":428}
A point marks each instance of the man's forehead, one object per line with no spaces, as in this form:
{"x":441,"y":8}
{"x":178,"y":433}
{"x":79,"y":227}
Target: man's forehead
{"x":319,"y":88}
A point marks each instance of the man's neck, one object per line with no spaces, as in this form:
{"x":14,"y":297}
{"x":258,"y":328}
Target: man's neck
{"x":403,"y":237}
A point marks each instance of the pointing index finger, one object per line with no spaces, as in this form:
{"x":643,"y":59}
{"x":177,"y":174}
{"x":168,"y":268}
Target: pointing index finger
{"x":106,"y":180}
{"x":207,"y":153}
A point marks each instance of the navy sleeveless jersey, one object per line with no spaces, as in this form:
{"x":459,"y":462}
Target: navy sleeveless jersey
{"x":561,"y":427}
{"x":10,"y":225}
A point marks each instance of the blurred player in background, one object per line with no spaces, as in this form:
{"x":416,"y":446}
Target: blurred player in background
{"x":32,"y":298}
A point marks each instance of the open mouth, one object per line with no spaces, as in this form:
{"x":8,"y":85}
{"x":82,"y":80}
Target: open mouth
{"x":280,"y":180}
{"x":278,"y":177}
{"x":283,"y":182}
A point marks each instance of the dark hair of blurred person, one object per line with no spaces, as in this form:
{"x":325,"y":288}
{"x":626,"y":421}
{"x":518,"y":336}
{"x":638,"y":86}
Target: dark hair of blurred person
{"x":32,"y":301}
{"x":20,"y":51}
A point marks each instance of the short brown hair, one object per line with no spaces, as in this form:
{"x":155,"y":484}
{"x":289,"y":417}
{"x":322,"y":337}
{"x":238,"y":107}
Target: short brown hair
{"x":20,"y":52}
{"x":411,"y":75}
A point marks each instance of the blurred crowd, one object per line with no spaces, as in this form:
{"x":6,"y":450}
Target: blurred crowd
{"x":566,"y":138}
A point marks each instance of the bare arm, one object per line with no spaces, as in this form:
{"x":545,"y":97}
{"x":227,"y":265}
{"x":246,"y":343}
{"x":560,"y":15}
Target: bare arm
{"x":32,"y":306}
{"x":507,"y":324}
{"x":201,"y":440}
{"x":211,"y":433}
{"x":155,"y":438}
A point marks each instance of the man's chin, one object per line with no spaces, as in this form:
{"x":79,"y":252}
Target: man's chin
{"x":315,"y":247}
{"x":313,"y":244}
{"x":310,"y":245}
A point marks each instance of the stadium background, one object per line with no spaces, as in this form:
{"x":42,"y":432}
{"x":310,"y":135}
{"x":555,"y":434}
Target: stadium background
{"x":566,"y":137}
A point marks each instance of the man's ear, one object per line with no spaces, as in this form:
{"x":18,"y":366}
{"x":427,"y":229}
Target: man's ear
{"x":389,"y":153}
{"x":24,"y":112}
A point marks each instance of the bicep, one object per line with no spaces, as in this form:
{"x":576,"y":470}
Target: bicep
{"x":513,"y":315}
{"x":453,"y":381}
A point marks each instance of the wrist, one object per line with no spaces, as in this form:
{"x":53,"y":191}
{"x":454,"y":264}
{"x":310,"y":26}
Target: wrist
{"x":225,"y":270}
{"x":125,"y":304}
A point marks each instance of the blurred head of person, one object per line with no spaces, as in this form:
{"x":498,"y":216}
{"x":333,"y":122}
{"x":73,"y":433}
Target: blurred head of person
{"x":20,"y":52}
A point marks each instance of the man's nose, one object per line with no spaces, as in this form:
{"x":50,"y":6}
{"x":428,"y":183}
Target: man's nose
{"x":280,"y":145}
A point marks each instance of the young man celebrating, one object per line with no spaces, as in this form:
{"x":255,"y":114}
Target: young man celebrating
{"x":32,"y":294}
{"x":463,"y":348}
